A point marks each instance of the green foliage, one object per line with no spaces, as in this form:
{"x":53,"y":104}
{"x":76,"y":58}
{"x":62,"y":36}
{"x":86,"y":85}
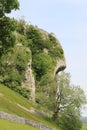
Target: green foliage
{"x":13,"y":77}
{"x":7,"y":25}
{"x":20,"y":43}
{"x":22,"y":58}
{"x":6,"y":6}
{"x":21,"y":26}
{"x":46,"y":92}
{"x":69,"y":100}
{"x":7,"y":38}
{"x":37,"y":44}
{"x":13,"y":80}
{"x":13,"y":61}
{"x":12,"y":66}
{"x":55,"y":50}
{"x":70,"y":122}
{"x":45,"y":51}
{"x":22,"y":40}
{"x":42,"y":64}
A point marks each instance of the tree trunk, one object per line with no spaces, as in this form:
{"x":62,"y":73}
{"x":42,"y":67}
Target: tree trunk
{"x":56,"y":116}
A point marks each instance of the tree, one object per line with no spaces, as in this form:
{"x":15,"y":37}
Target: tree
{"x":69,"y":99}
{"x":6,"y":6}
{"x":7,"y":25}
{"x":70,"y":122}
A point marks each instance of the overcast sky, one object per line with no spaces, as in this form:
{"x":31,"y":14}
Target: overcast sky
{"x":67,"y":19}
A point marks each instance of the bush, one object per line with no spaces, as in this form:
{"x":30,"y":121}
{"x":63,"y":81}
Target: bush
{"x":36,"y":36}
{"x":7,"y":39}
{"x":42,"y":64}
{"x":55,"y":50}
{"x":70,"y":122}
{"x":12,"y":66}
{"x":22,"y":55}
{"x":23,"y":40}
{"x":21,"y":26}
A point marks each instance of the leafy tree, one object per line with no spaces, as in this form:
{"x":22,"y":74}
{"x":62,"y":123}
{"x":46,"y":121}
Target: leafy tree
{"x":45,"y":92}
{"x":70,"y":122}
{"x":12,"y":66}
{"x":69,"y":100}
{"x":7,"y":25}
{"x":6,"y":6}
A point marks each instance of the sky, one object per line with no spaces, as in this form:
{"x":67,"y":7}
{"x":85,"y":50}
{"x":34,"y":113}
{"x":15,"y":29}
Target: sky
{"x":67,"y":19}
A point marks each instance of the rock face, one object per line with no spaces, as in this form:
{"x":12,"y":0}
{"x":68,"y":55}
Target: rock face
{"x":34,"y":50}
{"x":29,"y":81}
{"x":29,"y":78}
{"x":60,"y":66}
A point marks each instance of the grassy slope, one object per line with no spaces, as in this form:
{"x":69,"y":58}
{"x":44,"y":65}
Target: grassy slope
{"x":8,"y":103}
{"x":7,"y":125}
{"x":84,"y":127}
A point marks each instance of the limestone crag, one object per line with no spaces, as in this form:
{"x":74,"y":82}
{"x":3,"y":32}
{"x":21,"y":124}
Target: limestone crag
{"x":29,"y":81}
{"x":60,"y":66}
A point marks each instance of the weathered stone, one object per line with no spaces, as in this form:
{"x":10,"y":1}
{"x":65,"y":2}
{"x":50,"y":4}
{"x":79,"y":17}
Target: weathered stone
{"x":61,"y":65}
{"x":15,"y":118}
{"x":29,"y":81}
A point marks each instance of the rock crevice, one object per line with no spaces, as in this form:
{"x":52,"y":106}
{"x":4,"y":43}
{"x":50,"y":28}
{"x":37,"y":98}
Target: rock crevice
{"x":29,"y":81}
{"x":60,"y":66}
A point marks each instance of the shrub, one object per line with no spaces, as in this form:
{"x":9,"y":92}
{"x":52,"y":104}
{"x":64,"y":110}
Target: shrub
{"x":55,"y":50}
{"x":21,"y":26}
{"x":70,"y":122}
{"x":42,"y":64}
{"x":12,"y":66}
{"x":37,"y":44}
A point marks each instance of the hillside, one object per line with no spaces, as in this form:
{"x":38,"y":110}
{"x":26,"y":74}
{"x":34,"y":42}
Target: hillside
{"x":14,"y":126}
{"x":13,"y":103}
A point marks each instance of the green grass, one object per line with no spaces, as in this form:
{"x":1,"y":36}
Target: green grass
{"x":84,"y":127}
{"x":6,"y":125}
{"x":9,"y":101}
